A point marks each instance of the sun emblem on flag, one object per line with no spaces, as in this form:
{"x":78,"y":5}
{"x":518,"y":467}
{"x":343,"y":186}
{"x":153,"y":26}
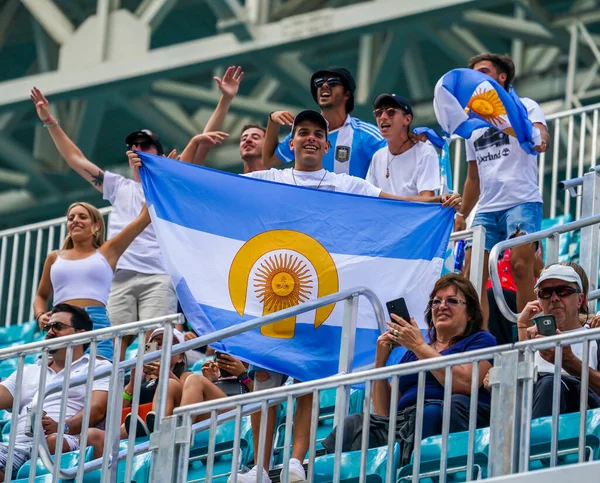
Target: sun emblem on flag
{"x":284,"y":268}
{"x":487,"y":104}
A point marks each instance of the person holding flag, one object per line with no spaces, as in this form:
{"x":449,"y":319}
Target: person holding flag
{"x":503,"y":177}
{"x":404,"y":167}
{"x":353,"y":142}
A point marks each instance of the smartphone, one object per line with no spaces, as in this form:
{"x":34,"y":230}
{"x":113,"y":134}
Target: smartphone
{"x":224,"y":373}
{"x":151,"y":347}
{"x":398,"y":307}
{"x":546,"y":324}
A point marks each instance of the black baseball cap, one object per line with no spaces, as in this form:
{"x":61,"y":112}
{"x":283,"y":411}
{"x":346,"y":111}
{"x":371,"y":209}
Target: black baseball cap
{"x":392,"y":100}
{"x":347,"y":81}
{"x":312,"y":116}
{"x":146,"y":134}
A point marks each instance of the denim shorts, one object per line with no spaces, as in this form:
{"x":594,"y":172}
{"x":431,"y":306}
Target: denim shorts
{"x":99,"y":317}
{"x":504,"y":224}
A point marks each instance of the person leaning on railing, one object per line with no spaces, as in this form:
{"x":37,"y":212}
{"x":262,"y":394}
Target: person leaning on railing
{"x":64,"y":320}
{"x":560,"y":293}
{"x":454,"y":319}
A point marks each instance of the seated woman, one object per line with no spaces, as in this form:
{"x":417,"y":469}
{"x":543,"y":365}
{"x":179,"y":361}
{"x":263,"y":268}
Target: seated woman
{"x":454,"y":321}
{"x":81,"y":273}
{"x":149,"y":386}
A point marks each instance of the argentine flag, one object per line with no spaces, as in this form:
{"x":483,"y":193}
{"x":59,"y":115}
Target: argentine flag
{"x":239,"y":248}
{"x":465,"y":100}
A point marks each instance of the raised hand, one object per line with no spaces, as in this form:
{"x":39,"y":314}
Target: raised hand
{"x":42,"y":106}
{"x":210,"y":138}
{"x":230,"y":83}
{"x":282,"y":117}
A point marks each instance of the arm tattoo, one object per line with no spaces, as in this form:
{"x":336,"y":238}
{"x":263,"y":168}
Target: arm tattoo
{"x":96,"y":179}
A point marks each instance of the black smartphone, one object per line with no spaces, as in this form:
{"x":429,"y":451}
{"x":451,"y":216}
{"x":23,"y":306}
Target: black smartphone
{"x":398,"y":307}
{"x":546,"y":324}
{"x":224,"y":373}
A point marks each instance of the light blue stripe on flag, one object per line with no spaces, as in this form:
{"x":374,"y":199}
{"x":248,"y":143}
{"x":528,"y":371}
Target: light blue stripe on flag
{"x":238,"y":248}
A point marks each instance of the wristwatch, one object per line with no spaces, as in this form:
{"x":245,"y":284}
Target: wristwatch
{"x":67,"y":429}
{"x":243,"y":377}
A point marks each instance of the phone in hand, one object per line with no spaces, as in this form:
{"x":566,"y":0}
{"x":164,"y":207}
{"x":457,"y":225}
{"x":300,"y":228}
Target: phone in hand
{"x":546,"y":324}
{"x":398,"y":307}
{"x":151,"y":347}
{"x":224,"y":372}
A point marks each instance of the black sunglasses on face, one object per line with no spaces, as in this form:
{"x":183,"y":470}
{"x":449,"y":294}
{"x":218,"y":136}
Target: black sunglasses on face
{"x":560,"y":290}
{"x":142,"y":145}
{"x":331,"y":81}
{"x":55,"y":326}
{"x":390,"y":111}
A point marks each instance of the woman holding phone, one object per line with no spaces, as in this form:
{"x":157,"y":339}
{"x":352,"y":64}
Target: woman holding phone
{"x":82,"y":271}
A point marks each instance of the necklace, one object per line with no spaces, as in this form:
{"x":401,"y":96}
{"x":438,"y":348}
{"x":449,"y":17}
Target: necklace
{"x":318,"y":186}
{"x":387,"y":169}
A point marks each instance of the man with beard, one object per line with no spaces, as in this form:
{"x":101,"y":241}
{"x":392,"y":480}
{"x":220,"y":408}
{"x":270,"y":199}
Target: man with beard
{"x":353,"y":142}
{"x":64,"y":320}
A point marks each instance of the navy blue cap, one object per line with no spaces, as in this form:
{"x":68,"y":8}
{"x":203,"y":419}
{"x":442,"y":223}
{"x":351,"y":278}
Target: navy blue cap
{"x":145,"y":134}
{"x":312,"y":116}
{"x":392,"y":100}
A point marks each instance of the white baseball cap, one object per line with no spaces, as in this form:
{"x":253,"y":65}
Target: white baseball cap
{"x":560,"y":272}
{"x":176,"y":333}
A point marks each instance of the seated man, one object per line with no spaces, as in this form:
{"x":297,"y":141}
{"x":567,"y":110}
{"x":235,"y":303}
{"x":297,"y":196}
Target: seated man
{"x":64,"y":320}
{"x":560,"y":293}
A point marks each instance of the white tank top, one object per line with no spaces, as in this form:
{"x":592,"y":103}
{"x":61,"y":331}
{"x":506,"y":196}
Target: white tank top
{"x":88,"y":278}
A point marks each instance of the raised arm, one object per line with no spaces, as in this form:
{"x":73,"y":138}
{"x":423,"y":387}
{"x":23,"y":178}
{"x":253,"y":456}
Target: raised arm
{"x":381,"y":387}
{"x":114,"y":248}
{"x":40,"y":303}
{"x":196,"y":151}
{"x":451,"y":201}
{"x":276,"y":119}
{"x":67,"y":148}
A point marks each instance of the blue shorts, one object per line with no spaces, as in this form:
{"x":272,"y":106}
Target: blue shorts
{"x":99,"y":317}
{"x":502,"y":225}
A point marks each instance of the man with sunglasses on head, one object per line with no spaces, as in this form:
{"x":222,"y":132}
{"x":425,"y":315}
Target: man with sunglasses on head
{"x":403,"y":167}
{"x":141,"y":288}
{"x":353,"y":142}
{"x":64,"y":320}
{"x":559,"y":292}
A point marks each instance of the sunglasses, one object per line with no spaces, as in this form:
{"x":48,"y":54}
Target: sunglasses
{"x":143,"y":145}
{"x":330,"y":81}
{"x":560,"y":290}
{"x":55,"y":326}
{"x":390,"y":111}
{"x":451,"y":302}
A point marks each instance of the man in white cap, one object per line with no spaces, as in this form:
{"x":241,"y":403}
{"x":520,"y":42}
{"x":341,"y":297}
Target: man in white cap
{"x":559,"y":292}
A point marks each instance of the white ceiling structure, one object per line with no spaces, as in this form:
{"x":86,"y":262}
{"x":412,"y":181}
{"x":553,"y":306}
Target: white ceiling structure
{"x":113,"y":66}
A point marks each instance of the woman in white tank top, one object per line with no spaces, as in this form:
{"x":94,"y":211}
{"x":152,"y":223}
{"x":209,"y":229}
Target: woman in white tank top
{"x":81,"y":273}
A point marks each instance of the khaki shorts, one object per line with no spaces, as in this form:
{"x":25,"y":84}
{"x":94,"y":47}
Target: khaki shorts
{"x":139,"y":296}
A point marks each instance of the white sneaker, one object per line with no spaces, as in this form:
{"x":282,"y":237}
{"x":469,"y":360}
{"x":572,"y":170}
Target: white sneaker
{"x":250,"y":476}
{"x":296,"y":472}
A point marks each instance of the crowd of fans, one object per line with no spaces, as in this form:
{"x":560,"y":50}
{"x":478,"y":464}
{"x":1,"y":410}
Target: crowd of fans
{"x":95,"y":282}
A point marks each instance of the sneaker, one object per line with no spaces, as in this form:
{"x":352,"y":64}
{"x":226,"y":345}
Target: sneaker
{"x":250,"y":476}
{"x":296,"y":472}
{"x":150,"y":421}
{"x":141,"y":429}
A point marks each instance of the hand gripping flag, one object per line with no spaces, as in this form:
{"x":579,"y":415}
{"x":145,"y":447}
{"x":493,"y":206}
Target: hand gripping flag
{"x":239,"y":248}
{"x":465,"y":100}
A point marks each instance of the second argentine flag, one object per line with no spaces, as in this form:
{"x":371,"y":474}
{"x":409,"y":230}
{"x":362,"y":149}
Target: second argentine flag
{"x":238,"y":248}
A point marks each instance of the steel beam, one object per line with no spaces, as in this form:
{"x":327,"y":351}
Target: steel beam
{"x":270,"y":39}
{"x":387,"y":68}
{"x":508,"y":27}
{"x":415,"y":72}
{"x":153,"y":12}
{"x":366,"y":54}
{"x":54,"y":21}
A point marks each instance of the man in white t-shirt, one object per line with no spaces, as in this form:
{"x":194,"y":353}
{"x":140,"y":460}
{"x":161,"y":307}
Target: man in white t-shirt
{"x":504,"y":179}
{"x":403,"y":167}
{"x":65,"y":320}
{"x":559,"y":293}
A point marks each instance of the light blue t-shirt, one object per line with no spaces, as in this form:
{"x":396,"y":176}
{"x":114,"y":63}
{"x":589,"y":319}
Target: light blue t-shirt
{"x":352,"y":148}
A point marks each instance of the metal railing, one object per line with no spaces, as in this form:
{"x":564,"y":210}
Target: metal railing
{"x":108,"y":463}
{"x":22,"y":254}
{"x":476,"y":235}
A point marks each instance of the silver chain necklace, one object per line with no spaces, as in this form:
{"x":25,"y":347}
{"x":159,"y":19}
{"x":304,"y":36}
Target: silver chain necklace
{"x":393,"y":156}
{"x":318,"y":186}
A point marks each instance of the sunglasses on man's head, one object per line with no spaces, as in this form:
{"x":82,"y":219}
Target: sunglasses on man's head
{"x":142,"y":145}
{"x":55,"y":326}
{"x":560,"y":290}
{"x":331,"y":81}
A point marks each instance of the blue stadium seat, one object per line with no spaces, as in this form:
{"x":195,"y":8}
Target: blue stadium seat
{"x":38,"y":479}
{"x":67,"y":460}
{"x":197,"y":367}
{"x":132,"y":350}
{"x":18,"y":334}
{"x":377,"y":459}
{"x":224,"y":438}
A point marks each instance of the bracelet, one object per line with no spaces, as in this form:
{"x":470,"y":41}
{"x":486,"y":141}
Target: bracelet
{"x":458,"y":213}
{"x":50,"y":125}
{"x":128,"y":397}
{"x":522,"y":326}
{"x":38,"y":315}
{"x":246,"y":381}
{"x":270,"y":118}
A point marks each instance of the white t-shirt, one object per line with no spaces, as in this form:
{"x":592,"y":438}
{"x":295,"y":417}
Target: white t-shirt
{"x":411,"y":172}
{"x":508,"y":176}
{"x":127,"y":197}
{"x":322,"y":179}
{"x":29,"y":391}
{"x":545,"y":366}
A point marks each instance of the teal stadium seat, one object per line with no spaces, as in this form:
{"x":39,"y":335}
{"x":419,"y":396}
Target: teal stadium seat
{"x":224,"y":438}
{"x":565,"y":238}
{"x":197,"y":367}
{"x":67,"y":460}
{"x":377,"y":459}
{"x":18,"y":334}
